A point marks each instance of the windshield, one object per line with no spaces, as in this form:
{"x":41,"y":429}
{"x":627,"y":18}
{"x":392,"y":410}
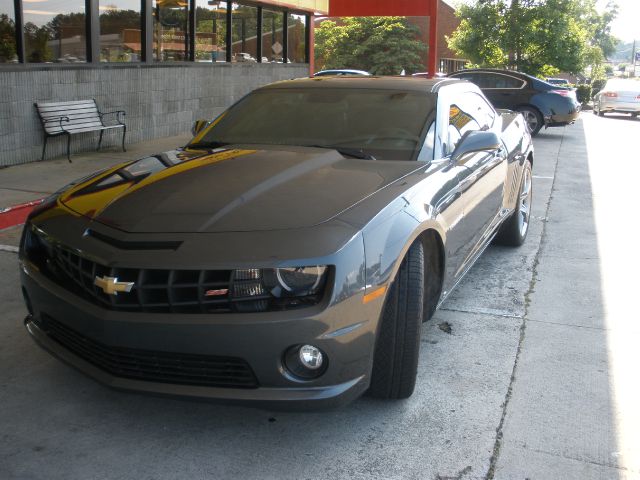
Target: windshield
{"x":385,"y":124}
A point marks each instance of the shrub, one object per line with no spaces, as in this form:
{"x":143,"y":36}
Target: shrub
{"x":583,"y":92}
{"x":597,"y":85}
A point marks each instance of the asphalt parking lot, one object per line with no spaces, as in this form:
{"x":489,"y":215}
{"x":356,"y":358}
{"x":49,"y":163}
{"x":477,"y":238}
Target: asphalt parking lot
{"x":536,"y":378}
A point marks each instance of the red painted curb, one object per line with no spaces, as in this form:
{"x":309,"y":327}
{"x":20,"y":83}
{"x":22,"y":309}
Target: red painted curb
{"x":17,"y":214}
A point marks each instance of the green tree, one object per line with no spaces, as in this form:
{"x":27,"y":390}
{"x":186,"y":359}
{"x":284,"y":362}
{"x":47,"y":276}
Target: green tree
{"x":7,"y":39}
{"x":540,"y":37}
{"x":380,"y":45}
{"x":114,"y":21}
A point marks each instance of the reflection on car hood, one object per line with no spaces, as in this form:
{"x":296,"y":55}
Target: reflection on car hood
{"x":232,"y":189}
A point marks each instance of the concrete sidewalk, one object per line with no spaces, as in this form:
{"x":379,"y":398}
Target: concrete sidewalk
{"x":21,"y":185}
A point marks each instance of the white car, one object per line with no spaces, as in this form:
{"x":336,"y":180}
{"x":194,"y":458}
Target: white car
{"x":618,"y":95}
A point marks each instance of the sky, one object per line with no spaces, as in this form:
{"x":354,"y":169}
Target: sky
{"x":626,"y":26}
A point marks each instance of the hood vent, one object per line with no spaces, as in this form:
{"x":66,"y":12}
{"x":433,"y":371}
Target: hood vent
{"x":133,"y":245}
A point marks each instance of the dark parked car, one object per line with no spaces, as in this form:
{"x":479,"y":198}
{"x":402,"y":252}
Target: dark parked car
{"x":541,"y":103}
{"x":559,"y":82}
{"x":290,"y":252}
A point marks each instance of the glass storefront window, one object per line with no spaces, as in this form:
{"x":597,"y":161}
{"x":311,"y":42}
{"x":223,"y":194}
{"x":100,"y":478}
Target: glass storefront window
{"x":272,"y":36}
{"x":120,"y":31}
{"x":170,"y":32}
{"x":244,"y":33}
{"x":296,"y":27}
{"x":54,"y":31}
{"x":8,"y":52}
{"x":211,"y":31}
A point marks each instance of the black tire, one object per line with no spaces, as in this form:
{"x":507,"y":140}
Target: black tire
{"x":511,"y":232}
{"x":533,"y":119}
{"x":598,"y":112}
{"x":395,"y":361}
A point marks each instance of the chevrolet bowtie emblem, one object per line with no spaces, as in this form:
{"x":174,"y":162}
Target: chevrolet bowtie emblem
{"x":111,"y":285}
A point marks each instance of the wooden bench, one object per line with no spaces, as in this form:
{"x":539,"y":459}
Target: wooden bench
{"x":69,"y":118}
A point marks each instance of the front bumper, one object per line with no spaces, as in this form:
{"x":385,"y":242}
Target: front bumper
{"x":259,"y":339}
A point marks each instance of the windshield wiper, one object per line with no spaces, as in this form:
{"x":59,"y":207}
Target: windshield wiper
{"x":346,"y":151}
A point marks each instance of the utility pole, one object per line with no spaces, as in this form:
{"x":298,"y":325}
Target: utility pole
{"x":633,"y":58}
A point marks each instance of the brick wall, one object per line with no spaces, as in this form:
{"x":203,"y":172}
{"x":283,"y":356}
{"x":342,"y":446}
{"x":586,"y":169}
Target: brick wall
{"x":447,"y":23}
{"x":160,"y":100}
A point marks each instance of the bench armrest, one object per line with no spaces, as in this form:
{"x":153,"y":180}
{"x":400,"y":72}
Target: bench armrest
{"x":118,"y":113}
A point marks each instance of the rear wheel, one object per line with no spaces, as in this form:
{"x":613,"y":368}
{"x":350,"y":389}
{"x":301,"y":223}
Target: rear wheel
{"x":596,"y":109}
{"x":514,"y":230}
{"x":533,"y":119}
{"x":395,"y":361}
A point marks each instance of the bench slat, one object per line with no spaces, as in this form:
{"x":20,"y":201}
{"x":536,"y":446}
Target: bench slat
{"x":64,"y":104}
{"x":57,"y":111}
{"x":73,"y":117}
{"x":62,"y":113}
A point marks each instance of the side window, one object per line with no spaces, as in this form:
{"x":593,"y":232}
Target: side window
{"x":497,"y":80}
{"x":460,"y":122}
{"x":472,"y":77}
{"x":478,"y":107}
{"x":426,"y":153}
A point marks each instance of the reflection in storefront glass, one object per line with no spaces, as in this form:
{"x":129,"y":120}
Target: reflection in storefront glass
{"x":54,"y":31}
{"x":7,"y":33}
{"x":244,"y":31}
{"x":296,"y":41}
{"x":120,"y":31}
{"x":211,"y":31}
{"x":170,"y":34}
{"x":272,"y":36}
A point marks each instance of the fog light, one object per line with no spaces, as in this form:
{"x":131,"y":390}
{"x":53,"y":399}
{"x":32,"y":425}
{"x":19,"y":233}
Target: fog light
{"x":310,"y":357}
{"x":305,"y":362}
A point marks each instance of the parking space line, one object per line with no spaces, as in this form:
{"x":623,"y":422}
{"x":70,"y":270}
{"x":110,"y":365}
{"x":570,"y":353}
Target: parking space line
{"x":541,"y":177}
{"x":8,"y":248}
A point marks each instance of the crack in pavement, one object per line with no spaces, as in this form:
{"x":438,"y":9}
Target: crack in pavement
{"x":582,"y":460}
{"x":493,"y":461}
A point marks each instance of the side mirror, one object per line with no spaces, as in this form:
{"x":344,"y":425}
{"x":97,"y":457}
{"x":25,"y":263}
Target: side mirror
{"x":475,"y":141}
{"x":198,"y":126}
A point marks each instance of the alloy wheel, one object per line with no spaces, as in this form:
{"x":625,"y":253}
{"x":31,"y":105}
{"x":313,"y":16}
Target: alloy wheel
{"x":525,"y":202}
{"x":531,"y":119}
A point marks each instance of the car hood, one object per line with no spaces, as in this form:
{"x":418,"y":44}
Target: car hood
{"x":244,"y":188}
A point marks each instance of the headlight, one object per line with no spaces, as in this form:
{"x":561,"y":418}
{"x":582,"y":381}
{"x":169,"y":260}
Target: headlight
{"x":277,"y":288}
{"x":300,"y":280}
{"x":295,"y":281}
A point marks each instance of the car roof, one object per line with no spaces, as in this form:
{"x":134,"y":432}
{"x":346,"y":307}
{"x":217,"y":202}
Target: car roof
{"x":417,"y":84}
{"x":513,"y":73}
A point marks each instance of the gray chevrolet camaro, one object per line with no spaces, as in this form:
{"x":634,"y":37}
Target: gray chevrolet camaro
{"x":290,"y":252}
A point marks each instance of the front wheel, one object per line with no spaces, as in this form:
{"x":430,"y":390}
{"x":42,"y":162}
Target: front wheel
{"x":513,"y":231}
{"x":395,"y":362}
